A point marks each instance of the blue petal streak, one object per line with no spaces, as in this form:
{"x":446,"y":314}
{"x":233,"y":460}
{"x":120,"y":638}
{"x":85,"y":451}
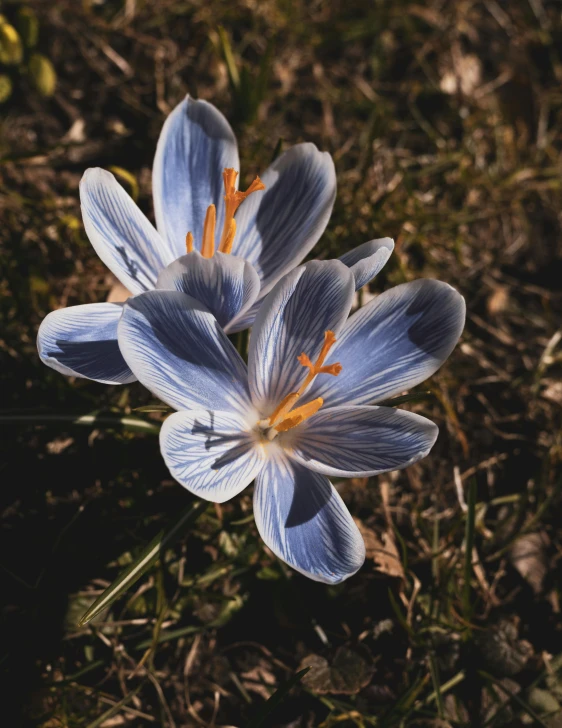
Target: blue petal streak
{"x":352,"y":442}
{"x":225,"y":284}
{"x":81,"y":341}
{"x":310,"y":300}
{"x":303,"y":520}
{"x":367,"y":260}
{"x":121,"y":235}
{"x":176,"y":348}
{"x":392,"y":343}
{"x":212,"y":454}
{"x":195,"y":146}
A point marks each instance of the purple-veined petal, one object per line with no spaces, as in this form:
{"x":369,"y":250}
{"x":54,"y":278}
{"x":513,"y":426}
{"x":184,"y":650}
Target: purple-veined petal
{"x":353,"y":442}
{"x":367,"y":260}
{"x":176,"y":348}
{"x":81,"y":341}
{"x":278,"y":227}
{"x":392,"y":343}
{"x":212,"y":454}
{"x":310,"y":300}
{"x":225,"y":284}
{"x":303,"y":520}
{"x":121,"y":235}
{"x":195,"y":146}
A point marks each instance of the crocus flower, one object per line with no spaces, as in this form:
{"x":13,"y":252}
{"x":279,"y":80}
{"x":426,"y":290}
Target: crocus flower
{"x":302,"y":409}
{"x":229,"y":264}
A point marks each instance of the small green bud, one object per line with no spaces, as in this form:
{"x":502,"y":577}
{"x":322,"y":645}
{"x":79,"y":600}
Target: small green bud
{"x":5,"y":87}
{"x":28,"y":27}
{"x":11,"y":48}
{"x":42,"y":74}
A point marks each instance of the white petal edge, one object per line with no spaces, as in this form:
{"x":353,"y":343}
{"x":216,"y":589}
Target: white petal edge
{"x":212,"y":454}
{"x":225,"y":284}
{"x":177,"y":350}
{"x":81,"y":341}
{"x":303,"y":520}
{"x":196,"y":144}
{"x":366,"y":440}
{"x":368,"y":259}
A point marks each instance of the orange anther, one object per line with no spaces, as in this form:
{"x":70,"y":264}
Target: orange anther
{"x":189,"y":242}
{"x":208,"y":243}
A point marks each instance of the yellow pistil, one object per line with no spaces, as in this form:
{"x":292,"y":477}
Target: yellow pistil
{"x":208,"y":243}
{"x":285,"y":417}
{"x":233,"y":199}
{"x":189,"y":242}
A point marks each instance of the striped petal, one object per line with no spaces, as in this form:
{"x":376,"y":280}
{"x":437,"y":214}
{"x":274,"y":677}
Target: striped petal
{"x":176,"y":348}
{"x":367,"y":260}
{"x":121,"y":235}
{"x":303,"y":520}
{"x":212,"y":454}
{"x":195,"y":146}
{"x":353,"y":442}
{"x":278,"y":227}
{"x":312,"y":299}
{"x":393,"y":343}
{"x":81,"y":341}
{"x":225,"y":284}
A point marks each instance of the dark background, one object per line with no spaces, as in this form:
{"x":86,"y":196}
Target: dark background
{"x":444,"y":119}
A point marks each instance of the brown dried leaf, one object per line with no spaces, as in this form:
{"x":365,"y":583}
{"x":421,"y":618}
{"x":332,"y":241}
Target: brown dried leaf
{"x":383,"y":551}
{"x":348,"y":673}
{"x":528,"y":555}
{"x":498,"y":300}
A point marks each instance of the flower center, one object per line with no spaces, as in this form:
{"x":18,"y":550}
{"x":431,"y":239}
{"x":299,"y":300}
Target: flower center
{"x":286,"y":415}
{"x":233,"y":199}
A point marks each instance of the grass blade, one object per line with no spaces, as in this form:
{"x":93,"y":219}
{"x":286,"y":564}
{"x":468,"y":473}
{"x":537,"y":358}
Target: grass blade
{"x":469,"y":546}
{"x":274,"y":700}
{"x":142,"y":563}
{"x":94,"y":419}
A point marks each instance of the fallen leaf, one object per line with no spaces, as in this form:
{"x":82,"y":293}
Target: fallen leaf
{"x":349,"y":672}
{"x":528,"y":555}
{"x":383,"y":551}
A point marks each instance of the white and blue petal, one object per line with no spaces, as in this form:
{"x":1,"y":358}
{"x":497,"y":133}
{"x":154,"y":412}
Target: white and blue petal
{"x":303,"y":520}
{"x":310,"y":300}
{"x":278,"y":227}
{"x":225,"y":284}
{"x":176,"y":348}
{"x":392,"y":343}
{"x":81,"y":341}
{"x":367,"y":260}
{"x":195,"y":146}
{"x":352,"y":442}
{"x":212,"y":454}
{"x":121,"y":235}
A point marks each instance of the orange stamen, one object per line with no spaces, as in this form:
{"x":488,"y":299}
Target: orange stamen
{"x":208,"y":244}
{"x":233,"y":199}
{"x":189,"y":242}
{"x":300,"y":414}
{"x":284,"y":416}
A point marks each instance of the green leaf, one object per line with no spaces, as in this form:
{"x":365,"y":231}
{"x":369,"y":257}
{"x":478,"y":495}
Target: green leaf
{"x":146,"y":559}
{"x":412,"y":397}
{"x":469,"y":546}
{"x":95,"y":419}
{"x":43,"y":74}
{"x":231,"y":66}
{"x":275,"y":699}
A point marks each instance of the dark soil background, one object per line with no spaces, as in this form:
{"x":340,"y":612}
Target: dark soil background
{"x":444,"y":119}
